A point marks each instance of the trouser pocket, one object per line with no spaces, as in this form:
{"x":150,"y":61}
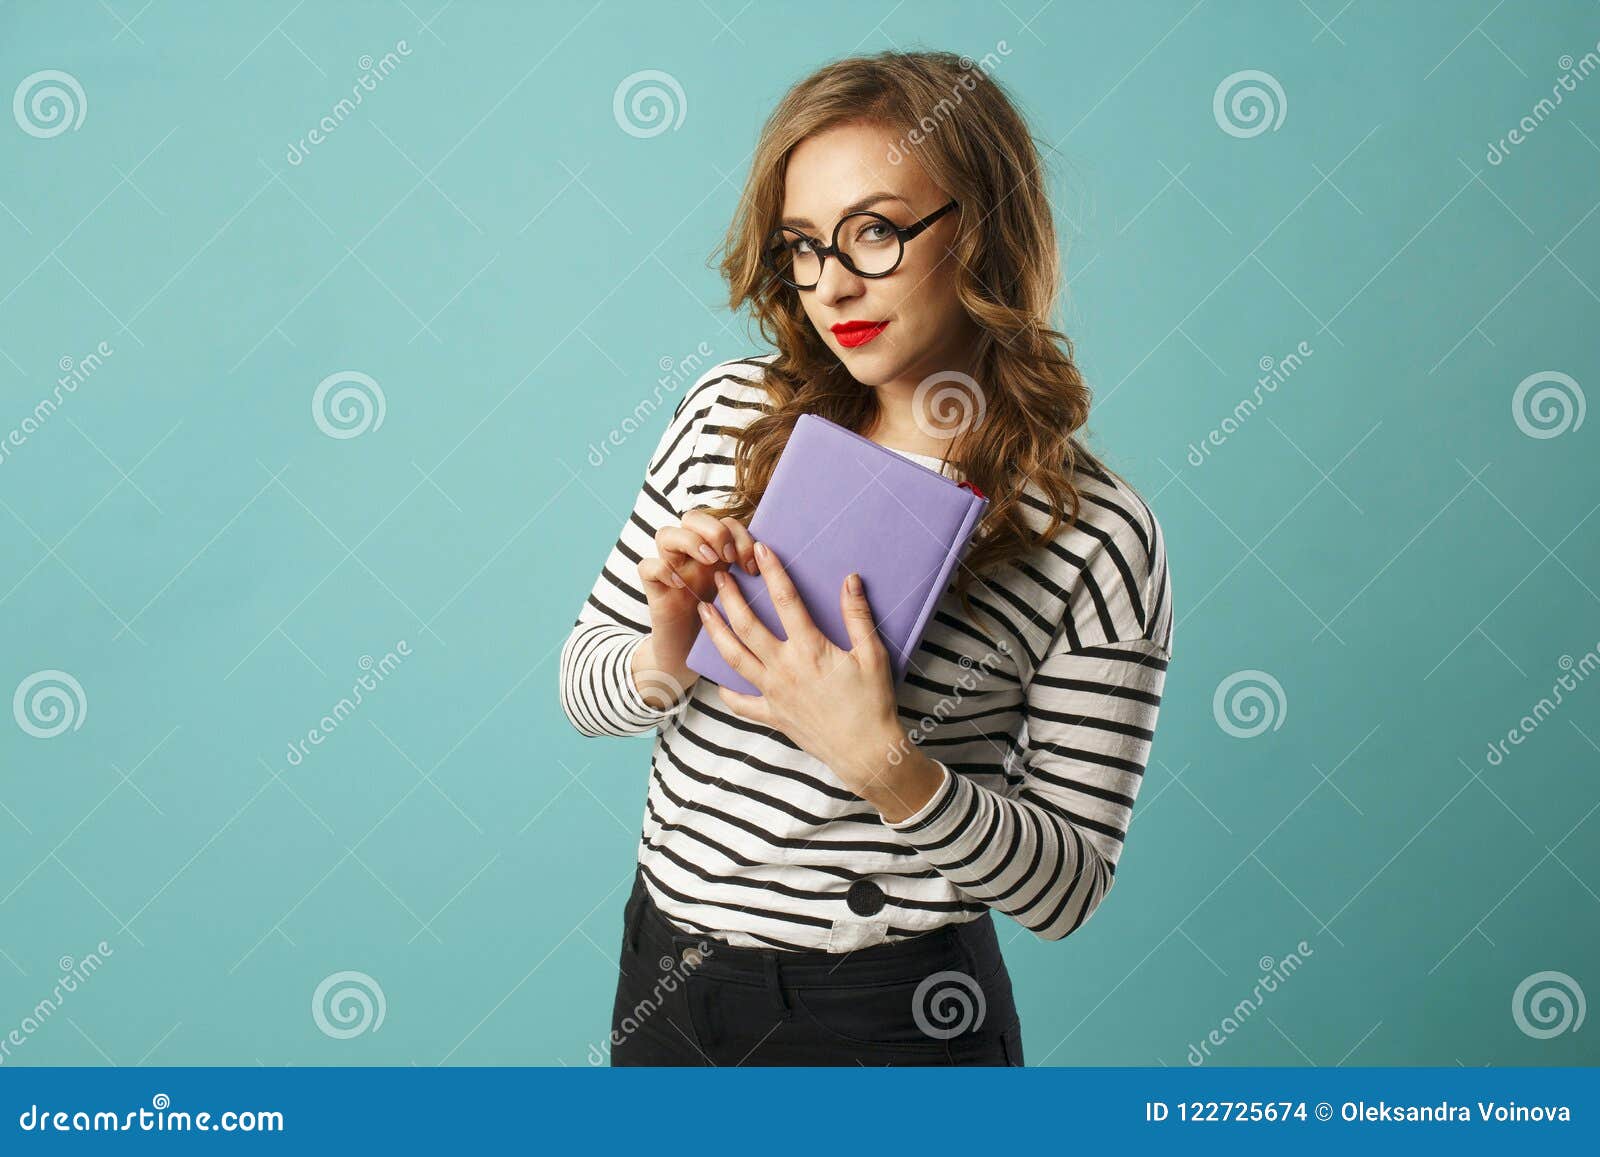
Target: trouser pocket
{"x":630,"y":915}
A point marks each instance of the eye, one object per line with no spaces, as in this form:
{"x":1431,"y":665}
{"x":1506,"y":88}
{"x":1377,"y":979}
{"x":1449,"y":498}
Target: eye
{"x":874,"y":232}
{"x":791,"y":244}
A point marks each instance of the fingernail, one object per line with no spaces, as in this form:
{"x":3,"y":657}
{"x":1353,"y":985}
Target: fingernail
{"x":853,"y":581}
{"x":761,"y":550}
{"x":677,"y":582}
{"x":719,"y":578}
{"x":707,"y":553}
{"x":729,"y":554}
{"x":705,"y":610}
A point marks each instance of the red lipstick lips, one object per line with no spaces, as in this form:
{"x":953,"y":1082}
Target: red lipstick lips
{"x":857,"y":333}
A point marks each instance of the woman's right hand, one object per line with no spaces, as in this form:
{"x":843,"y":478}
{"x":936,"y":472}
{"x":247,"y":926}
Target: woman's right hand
{"x":679,"y":579}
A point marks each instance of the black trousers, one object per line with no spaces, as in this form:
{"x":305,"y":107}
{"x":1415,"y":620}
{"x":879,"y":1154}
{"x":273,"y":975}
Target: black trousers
{"x":685,"y":998}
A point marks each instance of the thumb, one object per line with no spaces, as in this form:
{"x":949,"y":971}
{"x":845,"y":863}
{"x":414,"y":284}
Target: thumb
{"x":858,"y":614}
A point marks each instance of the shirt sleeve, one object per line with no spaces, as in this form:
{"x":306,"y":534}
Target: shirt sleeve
{"x":598,"y":693}
{"x":1045,"y":850}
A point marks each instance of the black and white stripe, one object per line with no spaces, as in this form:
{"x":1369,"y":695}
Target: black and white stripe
{"x":1041,"y":713}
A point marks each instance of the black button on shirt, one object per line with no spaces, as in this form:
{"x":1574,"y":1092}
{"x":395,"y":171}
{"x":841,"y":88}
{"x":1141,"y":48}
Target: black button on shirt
{"x":865,"y":898}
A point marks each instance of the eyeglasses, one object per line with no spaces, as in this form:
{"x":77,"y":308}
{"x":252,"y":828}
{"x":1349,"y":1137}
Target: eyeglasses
{"x":867,"y":243}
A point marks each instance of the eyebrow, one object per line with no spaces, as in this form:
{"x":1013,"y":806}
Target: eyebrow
{"x":866,"y":202}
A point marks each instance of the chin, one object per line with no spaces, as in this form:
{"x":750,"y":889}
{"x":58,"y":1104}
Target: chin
{"x":869,"y":375}
{"x":873,"y":367}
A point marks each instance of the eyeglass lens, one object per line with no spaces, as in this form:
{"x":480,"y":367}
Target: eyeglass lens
{"x":870,"y":243}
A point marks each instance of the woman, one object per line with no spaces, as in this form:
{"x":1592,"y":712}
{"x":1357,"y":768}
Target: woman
{"x":819,"y":864}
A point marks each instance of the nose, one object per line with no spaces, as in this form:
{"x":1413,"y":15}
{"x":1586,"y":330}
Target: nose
{"x":838,"y":284}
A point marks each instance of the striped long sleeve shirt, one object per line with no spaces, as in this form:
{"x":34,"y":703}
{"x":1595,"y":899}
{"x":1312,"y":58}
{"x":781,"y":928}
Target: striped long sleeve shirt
{"x":1040,"y":714}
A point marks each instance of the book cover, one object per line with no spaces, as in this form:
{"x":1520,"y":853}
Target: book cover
{"x":838,"y":502}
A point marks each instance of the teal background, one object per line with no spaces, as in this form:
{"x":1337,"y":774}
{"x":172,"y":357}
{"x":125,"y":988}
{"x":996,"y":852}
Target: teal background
{"x":484,"y":240}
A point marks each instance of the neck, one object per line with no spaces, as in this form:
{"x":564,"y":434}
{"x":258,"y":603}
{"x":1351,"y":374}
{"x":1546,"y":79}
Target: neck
{"x":911,"y":422}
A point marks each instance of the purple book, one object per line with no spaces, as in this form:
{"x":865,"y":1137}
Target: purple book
{"x":836,"y":503}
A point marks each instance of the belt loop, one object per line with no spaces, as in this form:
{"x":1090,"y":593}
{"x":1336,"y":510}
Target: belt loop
{"x":769,"y":960}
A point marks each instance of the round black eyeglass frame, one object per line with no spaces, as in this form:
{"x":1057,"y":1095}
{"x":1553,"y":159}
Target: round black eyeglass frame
{"x":823,"y":252}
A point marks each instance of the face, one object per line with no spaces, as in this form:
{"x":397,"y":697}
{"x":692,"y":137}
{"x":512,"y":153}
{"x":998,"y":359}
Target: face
{"x":828,"y":176}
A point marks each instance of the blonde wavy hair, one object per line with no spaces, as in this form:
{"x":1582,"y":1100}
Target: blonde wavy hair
{"x":1008,"y":277}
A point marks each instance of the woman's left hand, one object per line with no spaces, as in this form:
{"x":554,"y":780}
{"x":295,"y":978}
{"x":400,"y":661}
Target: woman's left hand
{"x":835,"y":704}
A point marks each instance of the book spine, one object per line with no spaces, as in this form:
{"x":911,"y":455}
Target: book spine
{"x":957,"y":549}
